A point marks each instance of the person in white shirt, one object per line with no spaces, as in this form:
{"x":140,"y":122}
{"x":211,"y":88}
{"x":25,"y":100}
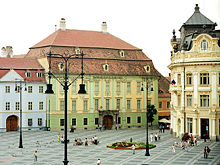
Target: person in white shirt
{"x":99,"y":162}
{"x":133,"y":148}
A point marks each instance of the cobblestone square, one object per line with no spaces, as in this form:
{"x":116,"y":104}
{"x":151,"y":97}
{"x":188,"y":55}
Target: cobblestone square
{"x":50,"y":152}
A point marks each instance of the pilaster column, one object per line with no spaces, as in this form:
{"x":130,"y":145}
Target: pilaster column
{"x":181,"y":126}
{"x":213,"y":127}
{"x":214,"y":89}
{"x":194,"y":127}
{"x":195,"y":81}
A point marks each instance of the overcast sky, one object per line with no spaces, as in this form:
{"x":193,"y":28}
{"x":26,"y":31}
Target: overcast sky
{"x":146,"y":24}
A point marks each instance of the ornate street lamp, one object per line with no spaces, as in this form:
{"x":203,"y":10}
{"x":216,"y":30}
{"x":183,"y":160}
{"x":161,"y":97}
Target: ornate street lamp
{"x":147,"y":153}
{"x":19,"y":89}
{"x":65,"y":85}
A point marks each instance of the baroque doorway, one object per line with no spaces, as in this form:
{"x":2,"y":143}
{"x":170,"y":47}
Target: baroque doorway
{"x":108,"y":121}
{"x":204,"y":128}
{"x":12,"y":123}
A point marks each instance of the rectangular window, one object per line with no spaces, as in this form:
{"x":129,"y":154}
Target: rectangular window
{"x":204,"y":100}
{"x":41,"y":89}
{"x":7,"y":106}
{"x":74,"y":105}
{"x":96,"y":121}
{"x":39,"y":121}
{"x":7,"y":89}
{"x":160,"y":104}
{"x":61,"y":122}
{"x":74,"y":121}
{"x":30,"y":106}
{"x":118,"y":102}
{"x":107,"y":86}
{"x":96,"y":104}
{"x":119,"y":120}
{"x":118,"y":86}
{"x":30,"y":122}
{"x":85,"y":121}
{"x":138,"y":104}
{"x":128,"y":87}
{"x":41,"y":105}
{"x":128,"y":104}
{"x":138,"y":119}
{"x":178,"y":100}
{"x":179,"y":79}
{"x":17,"y":89}
{"x":96,"y":86}
{"x":107,"y":102}
{"x":39,"y":74}
{"x":62,"y":105}
{"x":128,"y":120}
{"x":138,"y":87}
{"x":204,"y":78}
{"x":85,"y":105}
{"x":17,"y":106}
{"x":30,"y":89}
{"x":189,"y":79}
{"x":189,"y":125}
{"x":28,"y":74}
{"x":74,"y":87}
{"x":168,"y":104}
{"x":188,"y":100}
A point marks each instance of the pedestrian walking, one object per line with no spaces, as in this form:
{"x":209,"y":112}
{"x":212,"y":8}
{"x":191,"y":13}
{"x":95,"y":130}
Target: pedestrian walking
{"x":208,"y":151}
{"x":173,"y":148}
{"x":151,"y":137}
{"x":86,"y":142}
{"x":163,"y":128}
{"x":35,"y":155}
{"x":133,"y":148}
{"x":116,"y":127}
{"x":205,"y":153}
{"x":58,"y":137}
{"x":99,"y":162}
{"x":155,"y":137}
{"x":195,"y":141}
{"x":186,"y":146}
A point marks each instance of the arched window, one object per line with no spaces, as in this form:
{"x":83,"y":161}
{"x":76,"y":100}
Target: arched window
{"x":204,"y":45}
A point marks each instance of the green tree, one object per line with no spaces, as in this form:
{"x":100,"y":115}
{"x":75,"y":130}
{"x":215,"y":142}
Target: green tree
{"x":151,"y":111}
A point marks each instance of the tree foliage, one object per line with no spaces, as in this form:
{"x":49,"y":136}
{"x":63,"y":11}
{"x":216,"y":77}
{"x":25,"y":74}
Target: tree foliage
{"x":151,"y":111}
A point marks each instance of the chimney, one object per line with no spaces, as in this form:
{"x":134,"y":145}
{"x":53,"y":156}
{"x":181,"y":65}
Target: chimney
{"x":104,"y":27}
{"x":62,"y":24}
{"x":9,"y":51}
{"x":3,"y":53}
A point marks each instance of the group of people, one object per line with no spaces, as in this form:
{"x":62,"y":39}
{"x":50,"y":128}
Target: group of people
{"x":162,"y":128}
{"x":154,"y":137}
{"x":95,"y":140}
{"x":206,"y":152}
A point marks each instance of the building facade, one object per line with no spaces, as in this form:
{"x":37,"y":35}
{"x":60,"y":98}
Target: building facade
{"x":114,"y":71}
{"x":195,"y":76}
{"x":22,"y":86}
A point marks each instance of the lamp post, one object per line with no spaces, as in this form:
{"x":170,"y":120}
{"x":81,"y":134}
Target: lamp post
{"x":147,"y":143}
{"x":20,"y":91}
{"x":65,"y":85}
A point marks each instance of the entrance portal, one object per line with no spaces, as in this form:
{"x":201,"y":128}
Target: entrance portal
{"x":12,"y":123}
{"x":108,"y":121}
{"x":204,"y":128}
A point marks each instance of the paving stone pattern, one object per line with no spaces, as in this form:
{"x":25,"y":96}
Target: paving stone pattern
{"x":50,"y":152}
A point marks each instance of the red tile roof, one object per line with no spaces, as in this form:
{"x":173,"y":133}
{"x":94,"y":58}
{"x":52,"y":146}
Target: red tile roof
{"x":83,"y":38}
{"x":19,"y":63}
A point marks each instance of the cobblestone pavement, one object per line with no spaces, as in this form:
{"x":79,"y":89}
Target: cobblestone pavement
{"x":50,"y":152}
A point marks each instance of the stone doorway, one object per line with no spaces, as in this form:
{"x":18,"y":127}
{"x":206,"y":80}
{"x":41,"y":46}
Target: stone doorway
{"x":204,"y":128}
{"x":107,"y":121}
{"x":12,"y":123}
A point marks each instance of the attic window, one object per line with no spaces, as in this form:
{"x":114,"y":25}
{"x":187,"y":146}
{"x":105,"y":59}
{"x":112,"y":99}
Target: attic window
{"x":122,"y":53}
{"x":28,"y":74}
{"x":77,"y":50}
{"x":106,"y":67}
{"x":39,"y":74}
{"x":61,"y":66}
{"x":147,"y":68}
{"x":204,"y":45}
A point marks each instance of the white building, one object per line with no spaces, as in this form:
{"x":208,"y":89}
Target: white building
{"x":195,"y":76}
{"x":27,"y":75}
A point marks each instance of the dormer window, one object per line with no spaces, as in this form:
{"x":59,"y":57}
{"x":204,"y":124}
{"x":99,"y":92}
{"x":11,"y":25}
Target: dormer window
{"x":122,"y":53}
{"x":147,"y":68}
{"x":77,"y":50}
{"x":106,"y":67}
{"x":39,"y":74}
{"x":204,"y":45}
{"x":61,"y":66}
{"x":28,"y":74}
